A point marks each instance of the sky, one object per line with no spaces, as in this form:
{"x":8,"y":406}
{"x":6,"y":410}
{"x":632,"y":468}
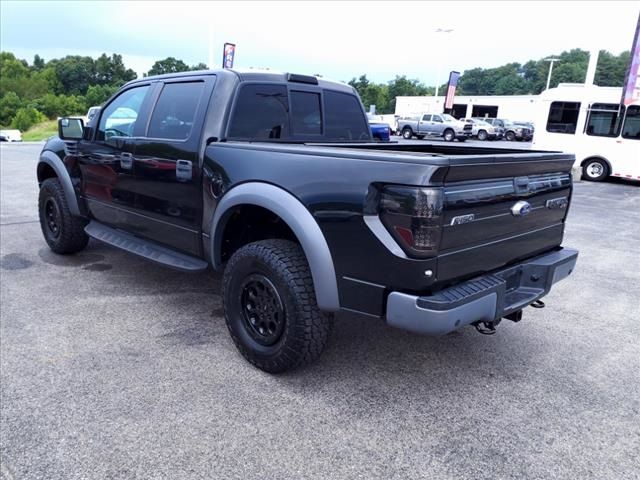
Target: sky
{"x":339,"y":40}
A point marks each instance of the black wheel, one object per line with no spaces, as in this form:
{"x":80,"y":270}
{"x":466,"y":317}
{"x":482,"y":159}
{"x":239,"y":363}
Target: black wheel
{"x":595,"y":170}
{"x":270,"y":306}
{"x":63,"y":232}
{"x":407,"y":133}
{"x":419,"y":137}
{"x":449,"y":135}
{"x":482,"y":135}
{"x":462,"y":139}
{"x":510,"y":136}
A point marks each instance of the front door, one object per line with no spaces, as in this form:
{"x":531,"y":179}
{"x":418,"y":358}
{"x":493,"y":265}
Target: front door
{"x":106,"y":161}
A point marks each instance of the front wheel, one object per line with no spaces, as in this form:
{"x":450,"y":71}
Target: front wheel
{"x":482,"y":135}
{"x":63,"y":232}
{"x":449,"y":135}
{"x":407,"y":133}
{"x":510,"y":136}
{"x":595,"y":170}
{"x":270,"y":306}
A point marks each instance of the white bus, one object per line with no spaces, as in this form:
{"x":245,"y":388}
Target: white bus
{"x":587,"y":120}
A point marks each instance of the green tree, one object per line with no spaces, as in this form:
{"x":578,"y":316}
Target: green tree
{"x":9,"y":105}
{"x":199,"y":66}
{"x":111,"y":70}
{"x":98,"y":94}
{"x":168,"y":65}
{"x":38,"y":63}
{"x":611,"y":69}
{"x":26,"y":117}
{"x":75,"y":73}
{"x":14,"y":75}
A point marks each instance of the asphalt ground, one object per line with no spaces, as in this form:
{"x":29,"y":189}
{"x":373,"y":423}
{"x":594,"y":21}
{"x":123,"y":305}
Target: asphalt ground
{"x":114,"y":368}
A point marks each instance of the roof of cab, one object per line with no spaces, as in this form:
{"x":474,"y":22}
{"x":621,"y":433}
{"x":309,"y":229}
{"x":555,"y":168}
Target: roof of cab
{"x":249,"y":75}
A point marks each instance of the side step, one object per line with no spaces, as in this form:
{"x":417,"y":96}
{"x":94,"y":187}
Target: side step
{"x":145,"y":248}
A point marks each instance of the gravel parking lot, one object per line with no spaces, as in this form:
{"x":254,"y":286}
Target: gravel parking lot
{"x":114,"y":368}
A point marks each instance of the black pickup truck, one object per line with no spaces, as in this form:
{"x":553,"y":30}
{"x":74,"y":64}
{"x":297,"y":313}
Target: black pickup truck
{"x":274,"y":179}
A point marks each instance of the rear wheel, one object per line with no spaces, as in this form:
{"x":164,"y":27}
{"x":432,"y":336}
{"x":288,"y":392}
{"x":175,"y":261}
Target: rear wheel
{"x":407,"y":133}
{"x":595,"y":170}
{"x":449,"y":135}
{"x":420,"y":137}
{"x":270,"y":306}
{"x":63,"y":232}
{"x":482,"y":135}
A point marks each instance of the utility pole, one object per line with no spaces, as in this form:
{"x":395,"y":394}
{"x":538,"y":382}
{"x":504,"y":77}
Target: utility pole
{"x":440,"y":30}
{"x":550,"y":60}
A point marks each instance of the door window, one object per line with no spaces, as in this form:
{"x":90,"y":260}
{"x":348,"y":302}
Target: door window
{"x":426,"y":118}
{"x":119,"y":118}
{"x":175,"y":111}
{"x":603,"y":119}
{"x":437,"y":118}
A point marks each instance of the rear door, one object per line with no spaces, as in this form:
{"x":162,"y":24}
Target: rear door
{"x":423,"y":124}
{"x":166,"y":183}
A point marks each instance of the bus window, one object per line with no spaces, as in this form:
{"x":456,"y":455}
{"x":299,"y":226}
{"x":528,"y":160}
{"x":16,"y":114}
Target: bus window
{"x":603,"y":119}
{"x":631,"y":127}
{"x":563,"y":117}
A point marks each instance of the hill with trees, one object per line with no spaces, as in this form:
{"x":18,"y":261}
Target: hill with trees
{"x":32,"y":93}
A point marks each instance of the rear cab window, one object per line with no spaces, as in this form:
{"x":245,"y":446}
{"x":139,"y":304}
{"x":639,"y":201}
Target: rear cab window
{"x":273,"y":112}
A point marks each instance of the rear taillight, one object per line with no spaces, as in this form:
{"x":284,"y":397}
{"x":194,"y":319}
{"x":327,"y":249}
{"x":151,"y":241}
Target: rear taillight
{"x":413,"y":216}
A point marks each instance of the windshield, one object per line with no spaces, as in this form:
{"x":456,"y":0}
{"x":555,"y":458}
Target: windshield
{"x":448,"y":118}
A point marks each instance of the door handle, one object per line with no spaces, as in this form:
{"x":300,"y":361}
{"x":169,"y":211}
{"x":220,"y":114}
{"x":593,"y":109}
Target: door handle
{"x":184,"y":170}
{"x":126,"y":160}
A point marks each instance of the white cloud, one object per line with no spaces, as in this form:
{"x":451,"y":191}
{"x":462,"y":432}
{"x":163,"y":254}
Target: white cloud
{"x":337,"y":39}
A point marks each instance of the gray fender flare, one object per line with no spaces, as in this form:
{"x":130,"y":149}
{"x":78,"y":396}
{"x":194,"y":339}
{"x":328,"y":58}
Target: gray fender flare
{"x":301,"y":222}
{"x":54,"y":162}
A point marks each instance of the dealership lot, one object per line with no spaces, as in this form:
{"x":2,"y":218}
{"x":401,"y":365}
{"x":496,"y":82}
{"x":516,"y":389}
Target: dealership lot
{"x":111,"y":367}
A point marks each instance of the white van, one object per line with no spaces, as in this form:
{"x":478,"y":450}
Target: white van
{"x":589,"y":121}
{"x":10,"y":136}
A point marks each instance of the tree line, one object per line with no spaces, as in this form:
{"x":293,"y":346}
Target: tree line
{"x":510,"y":79}
{"x":31,"y":93}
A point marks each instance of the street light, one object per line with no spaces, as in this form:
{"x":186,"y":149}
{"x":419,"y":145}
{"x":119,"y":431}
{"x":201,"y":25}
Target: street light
{"x":550,"y":60}
{"x":440,"y":30}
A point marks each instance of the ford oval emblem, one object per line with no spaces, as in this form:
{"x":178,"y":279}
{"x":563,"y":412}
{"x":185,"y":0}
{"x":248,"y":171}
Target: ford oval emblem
{"x":521,"y":208}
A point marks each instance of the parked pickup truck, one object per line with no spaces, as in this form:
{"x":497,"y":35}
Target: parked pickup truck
{"x":274,"y":179}
{"x":435,"y":125}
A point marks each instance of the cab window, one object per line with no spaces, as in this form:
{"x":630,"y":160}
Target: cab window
{"x":118,"y":119}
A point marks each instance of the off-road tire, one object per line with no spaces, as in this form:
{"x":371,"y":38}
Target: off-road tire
{"x":63,"y":232}
{"x":306,"y":328}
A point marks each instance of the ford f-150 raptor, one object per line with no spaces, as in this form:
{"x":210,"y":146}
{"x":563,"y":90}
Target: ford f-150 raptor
{"x":274,"y":179}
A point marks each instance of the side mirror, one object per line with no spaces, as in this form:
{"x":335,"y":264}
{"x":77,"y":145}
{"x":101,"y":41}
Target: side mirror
{"x":70,"y":128}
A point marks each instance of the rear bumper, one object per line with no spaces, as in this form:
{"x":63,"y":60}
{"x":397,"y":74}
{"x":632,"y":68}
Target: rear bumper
{"x":483,"y":299}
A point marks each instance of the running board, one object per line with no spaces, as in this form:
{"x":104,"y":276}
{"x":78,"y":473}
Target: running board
{"x":145,"y":248}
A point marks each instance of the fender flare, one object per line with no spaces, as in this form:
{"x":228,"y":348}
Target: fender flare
{"x":301,"y":222}
{"x":54,"y":162}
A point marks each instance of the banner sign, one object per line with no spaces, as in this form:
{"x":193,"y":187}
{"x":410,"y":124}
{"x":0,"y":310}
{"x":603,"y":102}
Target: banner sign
{"x":228,"y":55}
{"x":451,"y":89}
{"x":631,"y":89}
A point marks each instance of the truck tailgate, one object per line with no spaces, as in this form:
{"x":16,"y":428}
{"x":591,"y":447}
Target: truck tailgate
{"x":501,"y":209}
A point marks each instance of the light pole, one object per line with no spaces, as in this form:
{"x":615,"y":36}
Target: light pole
{"x":550,"y":60}
{"x":440,"y":30}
